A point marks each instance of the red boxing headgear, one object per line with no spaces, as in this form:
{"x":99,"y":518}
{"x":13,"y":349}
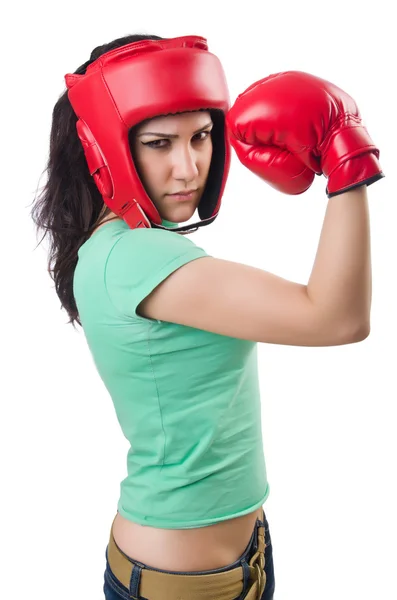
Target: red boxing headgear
{"x":140,"y":81}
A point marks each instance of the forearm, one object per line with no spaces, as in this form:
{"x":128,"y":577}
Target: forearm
{"x":340,"y":284}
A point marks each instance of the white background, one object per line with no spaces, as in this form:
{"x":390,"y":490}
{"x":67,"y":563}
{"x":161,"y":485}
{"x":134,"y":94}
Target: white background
{"x":328,"y":413}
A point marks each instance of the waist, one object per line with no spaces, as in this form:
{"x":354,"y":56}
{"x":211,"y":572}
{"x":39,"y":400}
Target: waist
{"x":198,"y":549}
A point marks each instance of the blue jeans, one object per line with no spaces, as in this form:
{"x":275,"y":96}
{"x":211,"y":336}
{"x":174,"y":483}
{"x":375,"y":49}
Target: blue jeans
{"x":115,"y":590}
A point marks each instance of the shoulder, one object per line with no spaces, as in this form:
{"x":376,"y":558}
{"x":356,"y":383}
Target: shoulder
{"x":150,"y":250}
{"x":154,"y":240}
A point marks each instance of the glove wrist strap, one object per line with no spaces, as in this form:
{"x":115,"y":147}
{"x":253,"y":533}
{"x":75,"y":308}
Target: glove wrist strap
{"x":344,"y":144}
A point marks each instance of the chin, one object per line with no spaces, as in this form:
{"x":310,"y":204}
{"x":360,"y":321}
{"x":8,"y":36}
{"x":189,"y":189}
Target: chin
{"x":180,"y":214}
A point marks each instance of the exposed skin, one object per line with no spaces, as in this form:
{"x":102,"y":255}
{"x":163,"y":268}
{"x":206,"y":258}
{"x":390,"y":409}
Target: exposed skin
{"x":168,"y":164}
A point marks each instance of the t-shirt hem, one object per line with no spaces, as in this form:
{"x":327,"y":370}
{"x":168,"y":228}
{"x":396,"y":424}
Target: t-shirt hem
{"x":192,"y":524}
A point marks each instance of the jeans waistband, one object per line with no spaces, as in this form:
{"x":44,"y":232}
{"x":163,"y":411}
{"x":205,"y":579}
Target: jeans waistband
{"x":245,"y":578}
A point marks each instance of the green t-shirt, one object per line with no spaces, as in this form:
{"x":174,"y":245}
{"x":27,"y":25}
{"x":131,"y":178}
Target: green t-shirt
{"x":187,"y":400}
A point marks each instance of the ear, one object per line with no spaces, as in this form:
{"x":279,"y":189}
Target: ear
{"x":95,"y":160}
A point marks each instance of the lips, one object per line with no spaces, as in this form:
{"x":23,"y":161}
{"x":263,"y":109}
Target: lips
{"x":184,"y":193}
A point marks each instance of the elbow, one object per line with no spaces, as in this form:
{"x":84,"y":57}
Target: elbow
{"x":358,"y":332}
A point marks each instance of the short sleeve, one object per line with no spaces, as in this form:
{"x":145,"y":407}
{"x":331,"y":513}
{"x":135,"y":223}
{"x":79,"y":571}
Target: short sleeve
{"x":140,"y":260}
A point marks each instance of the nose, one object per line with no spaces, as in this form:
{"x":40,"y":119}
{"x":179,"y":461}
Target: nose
{"x":184,"y":163}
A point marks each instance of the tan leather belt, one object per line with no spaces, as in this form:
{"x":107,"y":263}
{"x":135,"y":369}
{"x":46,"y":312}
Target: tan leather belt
{"x":156,"y":585}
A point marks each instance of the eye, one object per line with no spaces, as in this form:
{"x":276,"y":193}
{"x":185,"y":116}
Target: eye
{"x":155,"y":144}
{"x":204,"y":133}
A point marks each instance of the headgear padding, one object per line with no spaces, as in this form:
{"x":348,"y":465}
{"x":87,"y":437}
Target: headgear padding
{"x":140,"y":81}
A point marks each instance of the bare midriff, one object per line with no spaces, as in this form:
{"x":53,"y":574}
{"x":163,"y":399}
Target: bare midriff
{"x":199,"y":549}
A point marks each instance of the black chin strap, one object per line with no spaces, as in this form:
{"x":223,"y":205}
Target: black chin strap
{"x":186,"y":228}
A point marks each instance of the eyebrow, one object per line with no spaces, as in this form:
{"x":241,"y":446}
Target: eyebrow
{"x":172,"y":135}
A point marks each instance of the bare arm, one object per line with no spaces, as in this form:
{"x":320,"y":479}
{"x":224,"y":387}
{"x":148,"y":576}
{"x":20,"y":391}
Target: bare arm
{"x":340,"y":284}
{"x":241,"y":301}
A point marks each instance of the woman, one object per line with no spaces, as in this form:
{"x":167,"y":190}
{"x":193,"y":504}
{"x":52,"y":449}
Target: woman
{"x":140,"y":141}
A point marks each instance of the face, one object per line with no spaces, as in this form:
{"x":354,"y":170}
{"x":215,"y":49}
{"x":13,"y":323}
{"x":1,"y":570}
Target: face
{"x":173,"y":154}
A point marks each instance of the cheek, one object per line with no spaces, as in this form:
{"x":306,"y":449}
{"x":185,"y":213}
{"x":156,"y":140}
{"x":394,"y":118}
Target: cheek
{"x":150,"y":169}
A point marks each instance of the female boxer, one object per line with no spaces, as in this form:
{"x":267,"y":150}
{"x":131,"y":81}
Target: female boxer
{"x":140,"y":140}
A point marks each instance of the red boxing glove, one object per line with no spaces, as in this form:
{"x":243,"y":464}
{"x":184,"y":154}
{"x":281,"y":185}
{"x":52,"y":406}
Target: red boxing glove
{"x":290,"y":126}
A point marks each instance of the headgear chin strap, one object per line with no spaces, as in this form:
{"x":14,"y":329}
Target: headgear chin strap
{"x":140,"y":81}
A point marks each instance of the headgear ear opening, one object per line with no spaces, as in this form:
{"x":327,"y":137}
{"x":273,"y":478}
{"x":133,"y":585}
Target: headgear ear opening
{"x":137,"y":82}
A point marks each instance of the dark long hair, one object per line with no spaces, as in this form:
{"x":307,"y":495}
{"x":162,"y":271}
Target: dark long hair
{"x":69,"y":206}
